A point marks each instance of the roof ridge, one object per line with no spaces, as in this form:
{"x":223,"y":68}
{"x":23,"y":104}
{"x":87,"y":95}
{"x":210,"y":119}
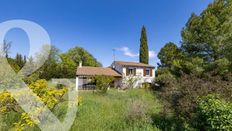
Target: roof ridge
{"x":94,"y":67}
{"x":128,"y":63}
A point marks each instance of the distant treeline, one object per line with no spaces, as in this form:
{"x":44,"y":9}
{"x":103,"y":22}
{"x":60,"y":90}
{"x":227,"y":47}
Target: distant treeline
{"x":57,"y":65}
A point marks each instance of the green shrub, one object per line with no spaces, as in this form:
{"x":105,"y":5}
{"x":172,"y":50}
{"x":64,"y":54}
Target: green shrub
{"x":21,"y":120}
{"x":102,"y":83}
{"x":165,"y":79}
{"x":214,"y":113}
{"x":180,"y":96}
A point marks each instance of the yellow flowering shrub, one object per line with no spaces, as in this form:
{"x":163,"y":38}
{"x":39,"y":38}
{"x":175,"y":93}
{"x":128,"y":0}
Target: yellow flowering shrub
{"x":49,"y":96}
{"x":7,"y":102}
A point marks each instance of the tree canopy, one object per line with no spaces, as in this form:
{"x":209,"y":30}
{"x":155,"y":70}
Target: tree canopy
{"x":143,"y":52}
{"x":72,"y":58}
{"x":200,"y":68}
{"x":168,"y":54}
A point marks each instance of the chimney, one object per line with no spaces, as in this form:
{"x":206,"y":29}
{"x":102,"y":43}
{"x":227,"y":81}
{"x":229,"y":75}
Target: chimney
{"x":80,"y":64}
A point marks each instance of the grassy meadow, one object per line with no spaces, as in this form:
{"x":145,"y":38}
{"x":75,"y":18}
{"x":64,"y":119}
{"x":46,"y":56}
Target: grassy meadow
{"x":116,"y":110}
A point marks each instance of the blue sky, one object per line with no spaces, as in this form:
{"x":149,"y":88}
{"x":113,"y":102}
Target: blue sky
{"x":102,"y":25}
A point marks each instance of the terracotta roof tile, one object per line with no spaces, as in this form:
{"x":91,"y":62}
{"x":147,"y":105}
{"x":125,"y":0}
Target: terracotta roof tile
{"x":137,"y":64}
{"x":90,"y":71}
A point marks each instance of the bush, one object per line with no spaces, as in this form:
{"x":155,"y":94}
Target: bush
{"x":166,"y":79}
{"x":214,"y":113}
{"x":180,"y":96}
{"x":49,"y":96}
{"x":137,"y":111}
{"x":219,"y":67}
{"x":102,"y":83}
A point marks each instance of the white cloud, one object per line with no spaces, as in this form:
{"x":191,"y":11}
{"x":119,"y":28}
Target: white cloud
{"x":152,"y":54}
{"x":127,"y":52}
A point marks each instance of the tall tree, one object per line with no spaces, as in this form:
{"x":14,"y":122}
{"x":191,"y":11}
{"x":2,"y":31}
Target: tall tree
{"x":168,"y":54}
{"x":71,"y":59}
{"x":209,"y":35}
{"x":50,"y":69}
{"x":143,"y":53}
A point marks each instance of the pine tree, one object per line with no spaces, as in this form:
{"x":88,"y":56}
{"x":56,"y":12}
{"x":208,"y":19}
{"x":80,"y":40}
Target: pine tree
{"x":144,"y":55}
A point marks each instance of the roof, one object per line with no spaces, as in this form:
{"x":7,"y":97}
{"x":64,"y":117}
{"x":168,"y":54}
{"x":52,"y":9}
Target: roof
{"x":91,"y":71}
{"x":136,"y":64}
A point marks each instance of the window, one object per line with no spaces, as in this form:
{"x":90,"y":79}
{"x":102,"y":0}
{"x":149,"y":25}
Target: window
{"x":132,"y":71}
{"x":147,"y":72}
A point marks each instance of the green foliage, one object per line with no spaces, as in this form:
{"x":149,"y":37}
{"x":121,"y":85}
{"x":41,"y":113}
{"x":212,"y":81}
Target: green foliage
{"x":50,"y":68}
{"x":174,"y":60}
{"x":206,"y":43}
{"x":165,"y":79}
{"x":144,"y":52}
{"x":32,"y":78}
{"x":56,"y":66}
{"x":19,"y":60}
{"x":72,"y":58}
{"x":214,"y":113}
{"x":193,"y":66}
{"x":220,"y":66}
{"x":102,"y":83}
{"x":108,"y":112}
{"x":180,"y":95}
{"x":168,"y":54}
{"x":13,"y":64}
{"x":209,"y":34}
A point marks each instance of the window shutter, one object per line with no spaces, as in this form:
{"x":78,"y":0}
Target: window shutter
{"x":127,"y":71}
{"x":135,"y":72}
{"x":151,"y":73}
{"x":144,"y":71}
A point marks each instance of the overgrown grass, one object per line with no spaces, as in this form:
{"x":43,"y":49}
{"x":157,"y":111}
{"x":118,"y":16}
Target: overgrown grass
{"x":131,"y":110}
{"x":110,"y":112}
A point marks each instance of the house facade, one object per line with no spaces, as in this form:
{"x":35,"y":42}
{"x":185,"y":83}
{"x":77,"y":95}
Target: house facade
{"x":126,"y":74}
{"x":133,"y":73}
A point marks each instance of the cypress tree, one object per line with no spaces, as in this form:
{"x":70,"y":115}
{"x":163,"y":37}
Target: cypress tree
{"x":24,"y":60}
{"x":143,"y":53}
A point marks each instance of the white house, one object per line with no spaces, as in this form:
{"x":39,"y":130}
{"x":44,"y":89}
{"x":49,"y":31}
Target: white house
{"x":124,"y":72}
{"x":139,"y":73}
